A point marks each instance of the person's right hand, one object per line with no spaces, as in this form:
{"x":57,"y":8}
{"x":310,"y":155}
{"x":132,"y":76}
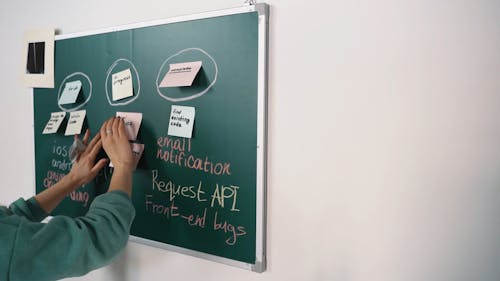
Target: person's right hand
{"x":115,"y":143}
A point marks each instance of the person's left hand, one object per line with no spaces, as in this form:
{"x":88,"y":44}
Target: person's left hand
{"x":85,"y":167}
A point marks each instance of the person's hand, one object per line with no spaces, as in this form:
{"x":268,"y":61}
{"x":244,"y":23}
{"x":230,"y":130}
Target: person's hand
{"x":85,"y":168}
{"x":115,"y":143}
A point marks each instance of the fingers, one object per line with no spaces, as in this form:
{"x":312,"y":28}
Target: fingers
{"x":116,"y":124}
{"x":121,"y":128}
{"x":86,"y":137}
{"x":84,"y":141}
{"x":96,"y":148}
{"x":112,"y":127}
{"x":94,"y":140}
{"x":107,"y":127}
{"x":98,"y":166}
{"x":103,"y":128}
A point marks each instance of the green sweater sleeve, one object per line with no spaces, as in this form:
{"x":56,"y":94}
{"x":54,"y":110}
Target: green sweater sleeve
{"x":67,"y":247}
{"x":29,"y":209}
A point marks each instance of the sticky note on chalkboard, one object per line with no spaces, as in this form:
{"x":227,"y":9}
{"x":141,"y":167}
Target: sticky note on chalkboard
{"x":181,"y":74}
{"x":181,"y":121}
{"x":132,"y":123}
{"x":55,"y":121}
{"x":75,"y":122}
{"x":122,"y":85}
{"x":70,"y":92}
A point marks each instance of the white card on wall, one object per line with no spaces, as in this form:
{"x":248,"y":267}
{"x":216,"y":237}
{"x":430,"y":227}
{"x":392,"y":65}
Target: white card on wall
{"x":122,"y":85}
{"x":75,"y":122}
{"x":55,"y":121}
{"x":38,"y":62}
{"x":181,"y":121}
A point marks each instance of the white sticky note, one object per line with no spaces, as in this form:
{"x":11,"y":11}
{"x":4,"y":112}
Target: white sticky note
{"x":137,"y":151}
{"x":122,"y":85}
{"x":181,"y":74}
{"x":132,"y":123}
{"x":70,"y":92}
{"x":181,"y":121}
{"x":55,"y":121}
{"x":75,"y":122}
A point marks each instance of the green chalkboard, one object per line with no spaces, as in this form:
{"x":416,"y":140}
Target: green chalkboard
{"x":202,"y":195}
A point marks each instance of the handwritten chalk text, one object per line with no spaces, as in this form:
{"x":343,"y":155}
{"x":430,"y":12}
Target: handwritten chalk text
{"x":191,"y":191}
{"x":176,"y":151}
{"x":59,"y":150}
{"x":80,"y":196}
{"x":197,"y":220}
{"x":179,"y":144}
{"x":234,"y":231}
{"x":225,"y":192}
{"x":159,"y":209}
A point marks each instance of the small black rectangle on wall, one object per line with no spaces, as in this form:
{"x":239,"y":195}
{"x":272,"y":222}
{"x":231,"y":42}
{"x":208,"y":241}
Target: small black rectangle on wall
{"x":36,"y":58}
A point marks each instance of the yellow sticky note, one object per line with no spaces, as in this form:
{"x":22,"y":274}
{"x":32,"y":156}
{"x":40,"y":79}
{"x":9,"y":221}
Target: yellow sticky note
{"x":122,"y":85}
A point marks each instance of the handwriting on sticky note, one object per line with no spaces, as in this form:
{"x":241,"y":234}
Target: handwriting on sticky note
{"x":55,"y":121}
{"x":132,"y":123}
{"x":70,"y":92}
{"x":75,"y":122}
{"x":181,"y":74}
{"x":122,"y":85}
{"x":181,"y":121}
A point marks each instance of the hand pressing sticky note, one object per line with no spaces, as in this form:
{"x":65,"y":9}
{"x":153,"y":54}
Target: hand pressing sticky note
{"x":122,"y":85}
{"x":181,"y":74}
{"x":132,"y":123}
{"x":75,"y":122}
{"x":137,"y":151}
{"x":55,"y":121}
{"x":70,"y":92}
{"x":181,"y":121}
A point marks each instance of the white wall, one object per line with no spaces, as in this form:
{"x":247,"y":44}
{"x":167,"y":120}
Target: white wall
{"x":384,"y":137}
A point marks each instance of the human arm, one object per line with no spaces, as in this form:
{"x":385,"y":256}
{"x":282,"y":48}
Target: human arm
{"x":115,"y":143}
{"x":67,"y":247}
{"x":117,"y":147}
{"x":83,"y":170}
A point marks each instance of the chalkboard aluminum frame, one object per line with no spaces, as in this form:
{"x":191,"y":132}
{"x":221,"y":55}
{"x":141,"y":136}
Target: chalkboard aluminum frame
{"x":263,"y":12}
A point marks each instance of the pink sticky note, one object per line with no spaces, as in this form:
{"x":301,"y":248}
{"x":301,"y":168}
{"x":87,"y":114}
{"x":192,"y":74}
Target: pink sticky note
{"x":181,"y":74}
{"x":132,"y":123}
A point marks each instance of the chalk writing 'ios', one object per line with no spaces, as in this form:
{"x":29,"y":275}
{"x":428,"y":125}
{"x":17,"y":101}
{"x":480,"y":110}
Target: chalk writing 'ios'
{"x":59,"y":150}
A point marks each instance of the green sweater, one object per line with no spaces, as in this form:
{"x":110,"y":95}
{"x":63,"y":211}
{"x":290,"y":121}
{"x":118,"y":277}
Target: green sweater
{"x":63,"y":247}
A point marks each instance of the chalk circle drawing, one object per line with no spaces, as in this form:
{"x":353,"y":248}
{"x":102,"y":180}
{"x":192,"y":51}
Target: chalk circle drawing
{"x":165,"y":63}
{"x":124,"y":63}
{"x":85,"y":81}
